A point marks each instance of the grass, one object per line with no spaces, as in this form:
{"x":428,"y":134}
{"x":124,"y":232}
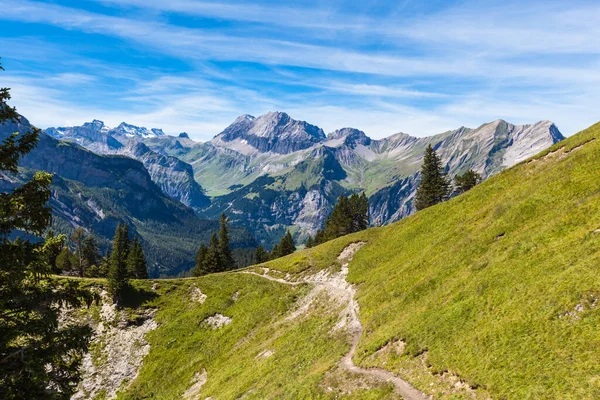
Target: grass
{"x":494,"y":285}
{"x":305,"y":350}
{"x":497,"y":286}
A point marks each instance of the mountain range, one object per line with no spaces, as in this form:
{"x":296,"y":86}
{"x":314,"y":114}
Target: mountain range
{"x":272,"y":173}
{"x":97,"y":192}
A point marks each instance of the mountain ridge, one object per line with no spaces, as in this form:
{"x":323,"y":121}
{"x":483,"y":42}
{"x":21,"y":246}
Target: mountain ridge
{"x":284,"y":149}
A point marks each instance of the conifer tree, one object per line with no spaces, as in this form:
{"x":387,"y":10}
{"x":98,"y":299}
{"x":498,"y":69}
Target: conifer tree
{"x":136,"y":262}
{"x":117,"y":272}
{"x":466,"y":181}
{"x":65,"y":261}
{"x":226,"y":258}
{"x":104,"y":265}
{"x":91,"y":254}
{"x":434,"y":186}
{"x":213,"y":255}
{"x":286,"y":245}
{"x":201,"y":267}
{"x":348,"y":216}
{"x":35,"y":352}
{"x":310,"y":242}
{"x":55,"y":245}
{"x":261,"y":255}
{"x":275,"y":253}
{"x":77,"y":239}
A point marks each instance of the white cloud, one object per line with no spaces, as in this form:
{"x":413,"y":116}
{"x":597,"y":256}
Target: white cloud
{"x":521,"y":62}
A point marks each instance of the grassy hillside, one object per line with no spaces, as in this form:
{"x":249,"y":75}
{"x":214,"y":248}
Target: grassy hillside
{"x":492,"y":294}
{"x":499,"y":286}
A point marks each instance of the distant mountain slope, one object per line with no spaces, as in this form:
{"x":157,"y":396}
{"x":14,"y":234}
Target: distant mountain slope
{"x":234,"y":165}
{"x":387,"y":169}
{"x":173,"y":176}
{"x":96,"y":192}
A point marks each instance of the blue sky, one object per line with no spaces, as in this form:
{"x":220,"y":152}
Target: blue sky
{"x":420,"y":67}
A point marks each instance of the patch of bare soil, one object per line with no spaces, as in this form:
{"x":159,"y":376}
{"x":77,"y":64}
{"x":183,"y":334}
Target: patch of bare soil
{"x":340,"y":292}
{"x":193,"y":392}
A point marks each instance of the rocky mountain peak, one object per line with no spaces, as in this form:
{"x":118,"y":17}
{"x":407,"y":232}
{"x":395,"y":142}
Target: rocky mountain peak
{"x":351,"y":136}
{"x":128,"y":130}
{"x":271,"y":132}
{"x":95,"y":124}
{"x":184,"y":135}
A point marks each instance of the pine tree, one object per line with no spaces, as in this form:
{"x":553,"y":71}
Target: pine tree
{"x":348,"y":216}
{"x":91,"y":254}
{"x":310,"y":242}
{"x":275,"y":252}
{"x":35,"y":352}
{"x":201,"y":267}
{"x":117,"y":272}
{"x":65,"y":261}
{"x":226,"y":258}
{"x":261,"y":255}
{"x":103,"y":266}
{"x":126,"y":240}
{"x":136,"y":262}
{"x":466,"y":181}
{"x":286,"y":245}
{"x":434,"y":186}
{"x":55,"y":245}
{"x":77,"y":238}
{"x":213,"y":255}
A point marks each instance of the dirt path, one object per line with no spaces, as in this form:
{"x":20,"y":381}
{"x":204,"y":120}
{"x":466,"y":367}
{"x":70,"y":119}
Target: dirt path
{"x":337,"y":285}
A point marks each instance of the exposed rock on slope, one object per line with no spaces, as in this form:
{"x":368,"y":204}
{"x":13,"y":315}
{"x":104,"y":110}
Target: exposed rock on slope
{"x":117,"y":351}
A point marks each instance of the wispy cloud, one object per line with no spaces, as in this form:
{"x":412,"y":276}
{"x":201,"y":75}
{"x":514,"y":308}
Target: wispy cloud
{"x":382,"y":71}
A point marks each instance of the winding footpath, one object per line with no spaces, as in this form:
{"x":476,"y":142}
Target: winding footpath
{"x":336,"y":284}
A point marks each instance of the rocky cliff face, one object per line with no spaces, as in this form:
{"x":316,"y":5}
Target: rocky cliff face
{"x":173,"y":176}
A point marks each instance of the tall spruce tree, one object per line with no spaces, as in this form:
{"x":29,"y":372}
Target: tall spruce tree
{"x":213,"y":255}
{"x":466,"y":181}
{"x":91,"y":254}
{"x":136,"y":262}
{"x":348,"y":216}
{"x":117,"y":272}
{"x":434,"y":186}
{"x":226,"y":258}
{"x":286,"y":245}
{"x":200,"y":268}
{"x":77,"y":239}
{"x":310,"y":242}
{"x":38,"y":358}
{"x":261,"y":255}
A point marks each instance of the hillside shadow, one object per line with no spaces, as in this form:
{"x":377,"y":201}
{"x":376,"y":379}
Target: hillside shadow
{"x":133,"y":297}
